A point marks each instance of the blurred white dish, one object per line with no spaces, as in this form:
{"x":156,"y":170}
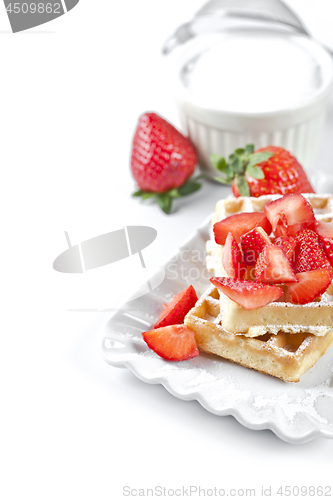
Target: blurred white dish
{"x":296,"y":413}
{"x":253,"y":85}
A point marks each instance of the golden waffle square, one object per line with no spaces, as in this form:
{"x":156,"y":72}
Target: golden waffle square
{"x":286,"y":356}
{"x":315,"y":318}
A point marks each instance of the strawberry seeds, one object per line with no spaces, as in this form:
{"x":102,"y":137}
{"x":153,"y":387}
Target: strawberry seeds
{"x":295,"y":259}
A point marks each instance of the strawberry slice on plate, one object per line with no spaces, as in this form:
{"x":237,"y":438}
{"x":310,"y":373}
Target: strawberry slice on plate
{"x":290,"y":214}
{"x":252,"y":244}
{"x":174,"y":342}
{"x":311,"y":284}
{"x":308,"y":253}
{"x":240,"y":224}
{"x":248,"y":294}
{"x":175,"y":312}
{"x":232,"y":259}
{"x":273,"y":266}
{"x":287,"y":244}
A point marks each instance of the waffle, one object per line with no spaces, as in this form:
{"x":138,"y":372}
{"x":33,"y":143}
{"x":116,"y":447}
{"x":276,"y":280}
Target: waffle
{"x":315,"y":318}
{"x":286,"y":356}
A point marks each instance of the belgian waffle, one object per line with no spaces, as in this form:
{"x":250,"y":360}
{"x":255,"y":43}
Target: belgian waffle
{"x":286,"y":356}
{"x":315,"y":318}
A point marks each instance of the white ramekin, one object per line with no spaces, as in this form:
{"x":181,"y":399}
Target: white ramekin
{"x":298,"y":128}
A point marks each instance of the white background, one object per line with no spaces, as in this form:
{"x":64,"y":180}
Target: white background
{"x":73,"y":427}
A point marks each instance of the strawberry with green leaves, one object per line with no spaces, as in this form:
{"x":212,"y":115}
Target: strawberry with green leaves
{"x":269,"y":170}
{"x":162,"y":162}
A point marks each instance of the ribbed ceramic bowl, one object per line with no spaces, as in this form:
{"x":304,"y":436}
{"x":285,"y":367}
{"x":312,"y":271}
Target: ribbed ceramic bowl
{"x":293,"y":120}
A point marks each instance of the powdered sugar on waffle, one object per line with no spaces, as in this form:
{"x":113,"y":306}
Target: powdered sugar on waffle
{"x":278,"y":347}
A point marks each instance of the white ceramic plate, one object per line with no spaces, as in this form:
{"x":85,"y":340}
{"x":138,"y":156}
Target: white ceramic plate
{"x":296,"y":413}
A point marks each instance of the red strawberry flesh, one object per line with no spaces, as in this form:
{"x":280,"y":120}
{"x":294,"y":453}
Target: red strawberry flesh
{"x":273,"y":266}
{"x":287,"y":244}
{"x":252,"y":244}
{"x":248,"y":294}
{"x":240,"y":224}
{"x":325,"y":229}
{"x":232,"y":259}
{"x":293,"y":212}
{"x":326,"y":244}
{"x":310,"y":286}
{"x":175,"y":312}
{"x":174,"y":342}
{"x":308,"y":253}
{"x":162,"y":158}
{"x":250,"y":274}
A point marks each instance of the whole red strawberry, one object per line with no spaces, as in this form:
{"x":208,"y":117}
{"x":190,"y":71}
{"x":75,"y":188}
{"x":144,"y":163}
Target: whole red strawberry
{"x":269,"y":170}
{"x":162,"y":161}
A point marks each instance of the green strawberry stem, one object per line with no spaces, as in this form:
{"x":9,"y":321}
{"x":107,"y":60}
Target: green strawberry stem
{"x":165,"y":199}
{"x":242,"y":163}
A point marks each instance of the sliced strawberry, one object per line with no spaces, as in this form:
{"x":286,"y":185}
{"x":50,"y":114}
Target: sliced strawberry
{"x":326,"y":244}
{"x":308,"y":253}
{"x":240,"y":224}
{"x":273,"y":266}
{"x":247,"y":294}
{"x":284,"y":231}
{"x":252,"y":244}
{"x":175,"y":312}
{"x":174,"y":342}
{"x":296,"y":228}
{"x":291,"y":213}
{"x":281,"y":229}
{"x":232,"y":259}
{"x":287,"y":244}
{"x":311,"y":284}
{"x":325,"y":229}
{"x":250,"y":273}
